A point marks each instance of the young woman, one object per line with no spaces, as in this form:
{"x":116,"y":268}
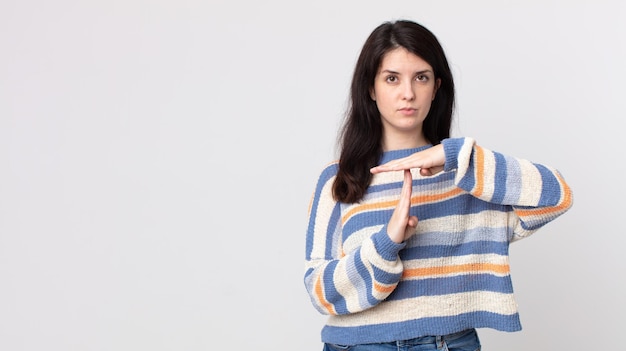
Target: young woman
{"x":408,"y":234}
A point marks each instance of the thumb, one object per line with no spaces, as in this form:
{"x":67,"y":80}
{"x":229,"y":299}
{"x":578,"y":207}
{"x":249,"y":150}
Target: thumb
{"x":411,"y":225}
{"x":431,"y":171}
{"x":412,"y":221}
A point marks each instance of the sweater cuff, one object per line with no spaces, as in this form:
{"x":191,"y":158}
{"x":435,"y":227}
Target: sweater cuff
{"x":385,"y":247}
{"x":451,"y":147}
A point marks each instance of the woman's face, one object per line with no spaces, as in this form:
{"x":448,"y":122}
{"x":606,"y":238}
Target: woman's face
{"x":404,"y":88}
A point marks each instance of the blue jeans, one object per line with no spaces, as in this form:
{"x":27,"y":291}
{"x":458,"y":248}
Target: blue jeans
{"x":466,"y":340}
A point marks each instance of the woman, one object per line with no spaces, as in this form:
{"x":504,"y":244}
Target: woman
{"x":408,"y":234}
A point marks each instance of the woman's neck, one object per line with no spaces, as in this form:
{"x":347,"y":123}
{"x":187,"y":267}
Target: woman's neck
{"x":399,"y":142}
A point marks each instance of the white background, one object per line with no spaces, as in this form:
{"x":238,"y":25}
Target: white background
{"x":157,"y":160}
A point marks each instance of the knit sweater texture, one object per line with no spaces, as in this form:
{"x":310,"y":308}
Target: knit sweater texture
{"x":453,"y":274}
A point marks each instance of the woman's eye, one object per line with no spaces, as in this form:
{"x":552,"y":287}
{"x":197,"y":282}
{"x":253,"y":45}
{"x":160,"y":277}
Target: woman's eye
{"x":421,"y":78}
{"x":392,"y":79}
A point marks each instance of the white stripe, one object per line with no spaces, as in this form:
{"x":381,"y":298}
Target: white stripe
{"x":355,"y":239}
{"x":530,"y":192}
{"x":463,"y":159}
{"x":350,"y":290}
{"x":489,"y":174}
{"x":463,"y":222}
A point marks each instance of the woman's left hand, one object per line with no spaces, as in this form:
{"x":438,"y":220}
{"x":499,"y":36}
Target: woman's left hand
{"x":429,"y":161}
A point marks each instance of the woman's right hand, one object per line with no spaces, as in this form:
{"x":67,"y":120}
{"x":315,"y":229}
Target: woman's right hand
{"x":430,"y":162}
{"x":402,"y":226}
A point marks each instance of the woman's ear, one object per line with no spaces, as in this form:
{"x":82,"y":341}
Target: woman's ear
{"x":372,"y":94}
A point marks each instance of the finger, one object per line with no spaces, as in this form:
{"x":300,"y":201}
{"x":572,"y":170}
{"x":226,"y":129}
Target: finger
{"x":404,"y":203}
{"x":395,"y":165}
{"x":431,"y":171}
{"x":411,"y":226}
{"x":381,"y":168}
{"x":412,"y":222}
{"x":397,"y":227}
{"x":407,"y":190}
{"x":408,"y":184}
{"x":436,"y":169}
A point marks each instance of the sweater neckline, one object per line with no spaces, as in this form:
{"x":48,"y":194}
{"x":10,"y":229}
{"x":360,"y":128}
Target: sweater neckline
{"x":400,"y":153}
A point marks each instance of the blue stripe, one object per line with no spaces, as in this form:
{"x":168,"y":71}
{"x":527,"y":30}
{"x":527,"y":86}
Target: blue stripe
{"x":385,"y":277}
{"x":427,"y":183}
{"x":551,"y":188}
{"x":364,"y":220}
{"x":396,"y":154}
{"x":452,"y":147}
{"x":330,"y":291}
{"x":463,"y":204}
{"x":365,"y":286}
{"x":530,"y":225}
{"x":445,"y":238}
{"x":500,"y":174}
{"x":405,"y":330}
{"x":451,"y":285}
{"x":333,"y":223}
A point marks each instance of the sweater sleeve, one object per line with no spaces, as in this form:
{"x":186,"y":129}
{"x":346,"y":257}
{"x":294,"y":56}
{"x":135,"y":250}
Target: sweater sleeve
{"x":536,"y":193}
{"x":338,"y":282}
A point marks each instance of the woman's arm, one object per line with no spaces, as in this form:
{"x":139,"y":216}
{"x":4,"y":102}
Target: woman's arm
{"x":339,"y":282}
{"x":538,"y":194}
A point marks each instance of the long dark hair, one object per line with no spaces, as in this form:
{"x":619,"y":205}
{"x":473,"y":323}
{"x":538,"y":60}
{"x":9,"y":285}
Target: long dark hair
{"x":362,"y":132}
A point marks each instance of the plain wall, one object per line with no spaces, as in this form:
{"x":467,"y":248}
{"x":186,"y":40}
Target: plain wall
{"x":157,"y":160}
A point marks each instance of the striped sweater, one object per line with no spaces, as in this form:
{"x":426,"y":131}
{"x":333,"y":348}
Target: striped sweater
{"x":453,"y":274}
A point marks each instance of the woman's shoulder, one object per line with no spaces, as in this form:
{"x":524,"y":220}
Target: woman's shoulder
{"x":327,"y":176}
{"x":329,"y":170}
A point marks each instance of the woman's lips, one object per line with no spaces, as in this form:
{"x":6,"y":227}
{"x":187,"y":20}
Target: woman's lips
{"x":407,"y":111}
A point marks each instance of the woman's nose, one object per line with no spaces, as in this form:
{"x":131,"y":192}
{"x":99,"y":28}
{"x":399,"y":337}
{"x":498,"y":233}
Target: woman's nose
{"x":407,"y":92}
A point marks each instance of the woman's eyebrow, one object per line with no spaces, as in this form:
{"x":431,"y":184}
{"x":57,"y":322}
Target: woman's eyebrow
{"x":424,"y":71}
{"x":389,"y":71}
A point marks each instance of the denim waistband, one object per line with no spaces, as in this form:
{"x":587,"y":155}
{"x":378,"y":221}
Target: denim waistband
{"x":430,"y":339}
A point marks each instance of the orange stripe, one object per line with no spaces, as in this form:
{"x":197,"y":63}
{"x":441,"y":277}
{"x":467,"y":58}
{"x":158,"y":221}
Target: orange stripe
{"x":367,"y":207}
{"x":480,"y":171}
{"x":433,"y":198}
{"x":319,"y":291}
{"x":385,"y":289}
{"x":461,"y":268}
{"x":388,"y":204}
{"x":566,"y":203}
